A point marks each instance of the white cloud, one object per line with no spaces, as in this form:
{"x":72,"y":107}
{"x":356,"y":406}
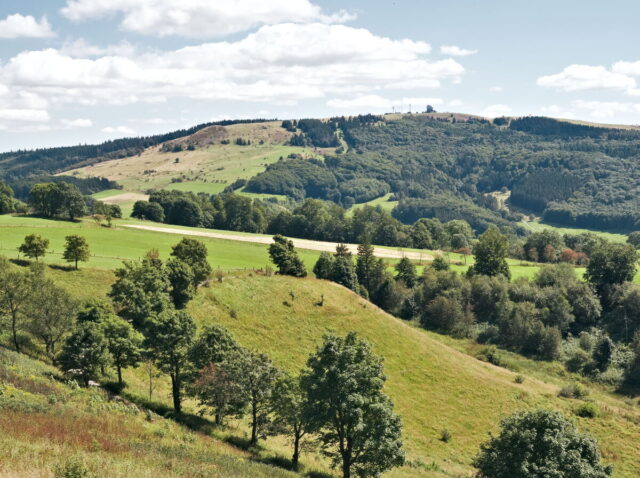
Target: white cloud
{"x":586,"y":77}
{"x":556,"y":111}
{"x":456,"y":51}
{"x":119,"y":130}
{"x":378,"y":102}
{"x":281,"y":64}
{"x":200,"y":18}
{"x":496,"y":89}
{"x":606,"y":109}
{"x":496,"y":110}
{"x":21,"y":26}
{"x":77,"y":123}
{"x":26,"y":115}
{"x":81,"y":49}
{"x":455,"y":103}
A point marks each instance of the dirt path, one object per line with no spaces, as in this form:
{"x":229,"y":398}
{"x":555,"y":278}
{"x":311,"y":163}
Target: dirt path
{"x":299,"y":243}
{"x":125,"y":197}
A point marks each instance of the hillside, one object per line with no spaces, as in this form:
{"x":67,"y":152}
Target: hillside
{"x":433,"y":385}
{"x":206,"y":161}
{"x":47,"y":422}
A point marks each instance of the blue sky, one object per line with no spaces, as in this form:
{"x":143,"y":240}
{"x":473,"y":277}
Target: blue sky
{"x":77,"y":71}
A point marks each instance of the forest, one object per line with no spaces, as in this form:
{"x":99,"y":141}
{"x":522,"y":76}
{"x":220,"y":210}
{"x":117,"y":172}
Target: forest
{"x":570,"y":174}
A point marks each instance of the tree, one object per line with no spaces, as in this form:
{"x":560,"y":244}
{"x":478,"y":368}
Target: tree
{"x":180,"y":276}
{"x":610,"y":265}
{"x":288,"y":404}
{"x":634,"y":239}
{"x":213,"y":345}
{"x":193,"y":253}
{"x":51,"y":313}
{"x":76,"y":249}
{"x":169,"y":337}
{"x":323,"y":266}
{"x":343,"y":272}
{"x":490,"y":253}
{"x":406,"y":272}
{"x":7,"y":203}
{"x":34,"y":246}
{"x":440,"y":263}
{"x":124,"y":343}
{"x":603,"y":353}
{"x":285,"y":257}
{"x":217,"y":387}
{"x":540,"y":444}
{"x":369,"y":269}
{"x":14,"y":295}
{"x":257,"y":376}
{"x":85,"y":352}
{"x":151,"y":211}
{"x":141,"y":290}
{"x":347,"y":407}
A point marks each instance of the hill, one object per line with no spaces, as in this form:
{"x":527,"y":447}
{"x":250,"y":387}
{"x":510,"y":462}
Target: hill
{"x":434,"y":386}
{"x":47,"y":423}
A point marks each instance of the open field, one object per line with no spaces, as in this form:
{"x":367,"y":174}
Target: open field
{"x":110,"y":246}
{"x":209,"y":168}
{"x":536,"y":226}
{"x":382,"y":201}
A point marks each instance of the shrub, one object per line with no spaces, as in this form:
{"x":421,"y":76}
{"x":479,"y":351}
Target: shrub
{"x":490,"y":354}
{"x":73,"y":469}
{"x":445,"y":436}
{"x":575,"y":390}
{"x":587,"y":410}
{"x":519,"y":379}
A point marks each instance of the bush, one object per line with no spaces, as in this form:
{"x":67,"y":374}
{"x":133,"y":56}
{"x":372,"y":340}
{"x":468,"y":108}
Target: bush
{"x":73,"y":469}
{"x":490,"y":354}
{"x":445,"y":436}
{"x":519,"y":379}
{"x":587,"y":410}
{"x":575,"y":390}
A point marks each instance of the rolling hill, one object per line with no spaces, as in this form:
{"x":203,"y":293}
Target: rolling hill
{"x":434,"y":384}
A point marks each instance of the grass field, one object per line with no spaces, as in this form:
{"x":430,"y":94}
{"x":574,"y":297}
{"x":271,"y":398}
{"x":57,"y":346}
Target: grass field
{"x":536,"y":226}
{"x":209,"y":168}
{"x":110,"y":246}
{"x":382,"y":201}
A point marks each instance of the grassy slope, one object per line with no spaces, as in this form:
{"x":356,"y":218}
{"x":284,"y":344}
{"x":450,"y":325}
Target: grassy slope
{"x":433,"y":386}
{"x":209,"y":168}
{"x":537,"y":226}
{"x":45,"y":423}
{"x":433,"y":382}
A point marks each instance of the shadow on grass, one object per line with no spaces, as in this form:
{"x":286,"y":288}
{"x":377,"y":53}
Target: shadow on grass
{"x":59,"y":267}
{"x":20,"y":262}
{"x":198,"y":424}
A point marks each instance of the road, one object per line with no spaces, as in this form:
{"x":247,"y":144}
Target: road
{"x":299,"y":243}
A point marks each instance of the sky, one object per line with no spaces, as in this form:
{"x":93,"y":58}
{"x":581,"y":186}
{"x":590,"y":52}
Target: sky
{"x":86,"y":71}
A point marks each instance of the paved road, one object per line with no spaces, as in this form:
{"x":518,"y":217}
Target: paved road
{"x":299,"y":243}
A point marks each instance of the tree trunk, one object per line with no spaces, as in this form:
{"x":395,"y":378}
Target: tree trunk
{"x":76,"y":263}
{"x":296,"y":452}
{"x":175,"y":388}
{"x":346,"y":466}
{"x":119,"y":369}
{"x":254,"y":424}
{"x":218,"y":419}
{"x":14,"y":330}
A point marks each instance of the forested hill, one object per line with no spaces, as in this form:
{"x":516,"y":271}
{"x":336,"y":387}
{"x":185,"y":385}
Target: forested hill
{"x":442,"y":166}
{"x":19,"y":165}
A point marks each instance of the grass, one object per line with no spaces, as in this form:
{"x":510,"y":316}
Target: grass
{"x":110,"y":246}
{"x":383,"y":201}
{"x":434,"y":386}
{"x":209,"y":168}
{"x":536,"y":226}
{"x":46,"y":423}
